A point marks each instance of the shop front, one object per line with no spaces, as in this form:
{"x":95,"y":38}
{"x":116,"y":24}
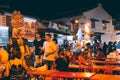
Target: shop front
{"x":97,"y":36}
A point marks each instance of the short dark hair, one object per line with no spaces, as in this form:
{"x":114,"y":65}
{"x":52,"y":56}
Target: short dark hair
{"x":14,"y":41}
{"x":55,"y":41}
{"x":48,"y":35}
{"x":38,"y":33}
{"x":25,"y":41}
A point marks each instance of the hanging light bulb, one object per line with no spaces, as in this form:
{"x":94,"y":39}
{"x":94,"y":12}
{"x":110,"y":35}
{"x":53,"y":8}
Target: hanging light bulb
{"x":87,"y":24}
{"x":76,"y":21}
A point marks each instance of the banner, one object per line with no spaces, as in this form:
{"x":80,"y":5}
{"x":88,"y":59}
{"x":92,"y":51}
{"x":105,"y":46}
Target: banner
{"x":27,"y":31}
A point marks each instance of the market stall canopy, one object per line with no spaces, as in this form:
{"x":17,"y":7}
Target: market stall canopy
{"x":53,"y":31}
{"x":98,"y":33}
{"x":118,"y":34}
{"x":92,"y":19}
{"x":104,"y":21}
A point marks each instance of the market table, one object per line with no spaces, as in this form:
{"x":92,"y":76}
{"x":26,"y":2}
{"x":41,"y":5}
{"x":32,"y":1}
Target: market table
{"x":116,"y":70}
{"x":45,"y":73}
{"x":113,"y":59}
{"x":104,"y":77}
{"x":100,"y":59}
{"x":107,"y":59}
{"x":106,"y":69}
{"x":73,"y":75}
{"x":73,"y":66}
{"x":93,"y":68}
{"x":106,"y":62}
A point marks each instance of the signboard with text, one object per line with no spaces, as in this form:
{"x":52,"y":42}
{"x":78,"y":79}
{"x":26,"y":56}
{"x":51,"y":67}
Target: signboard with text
{"x":27,"y":31}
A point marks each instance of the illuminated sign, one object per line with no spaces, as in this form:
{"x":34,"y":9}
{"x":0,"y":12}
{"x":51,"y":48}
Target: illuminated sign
{"x":3,"y":35}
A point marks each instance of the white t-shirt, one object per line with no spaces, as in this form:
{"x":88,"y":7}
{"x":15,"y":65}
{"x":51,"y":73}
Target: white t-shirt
{"x":49,"y":47}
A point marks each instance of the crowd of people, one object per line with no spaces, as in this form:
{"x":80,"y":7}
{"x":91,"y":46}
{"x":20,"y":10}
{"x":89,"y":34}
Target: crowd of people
{"x":97,"y":49}
{"x":21,"y":57}
{"x":15,"y":66}
{"x":46,"y":52}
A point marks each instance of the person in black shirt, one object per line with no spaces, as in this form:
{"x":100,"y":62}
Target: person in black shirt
{"x":61,"y":63}
{"x":105,"y":47}
{"x":38,"y":44}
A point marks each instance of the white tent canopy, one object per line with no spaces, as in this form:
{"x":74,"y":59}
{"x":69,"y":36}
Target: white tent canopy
{"x":79,"y":34}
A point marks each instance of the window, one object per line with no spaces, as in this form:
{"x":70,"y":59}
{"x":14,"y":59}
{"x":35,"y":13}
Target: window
{"x":75,"y":27}
{"x":117,"y":26}
{"x":92,"y":24}
{"x":4,"y":19}
{"x":104,"y":25}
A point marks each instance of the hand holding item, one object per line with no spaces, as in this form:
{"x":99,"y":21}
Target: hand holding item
{"x":41,"y":48}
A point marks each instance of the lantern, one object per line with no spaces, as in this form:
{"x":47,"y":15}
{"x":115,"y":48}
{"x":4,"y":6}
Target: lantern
{"x":17,"y":19}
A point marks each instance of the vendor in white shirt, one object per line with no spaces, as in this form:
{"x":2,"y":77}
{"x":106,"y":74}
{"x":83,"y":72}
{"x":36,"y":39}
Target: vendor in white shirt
{"x":49,"y":50}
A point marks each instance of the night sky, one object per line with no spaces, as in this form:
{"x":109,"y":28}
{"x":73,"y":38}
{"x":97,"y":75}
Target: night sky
{"x":53,"y":9}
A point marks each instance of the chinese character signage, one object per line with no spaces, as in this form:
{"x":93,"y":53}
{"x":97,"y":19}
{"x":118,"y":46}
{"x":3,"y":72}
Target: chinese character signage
{"x":27,"y":31}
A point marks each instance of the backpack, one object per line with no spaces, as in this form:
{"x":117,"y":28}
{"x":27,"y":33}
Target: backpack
{"x":17,"y":72}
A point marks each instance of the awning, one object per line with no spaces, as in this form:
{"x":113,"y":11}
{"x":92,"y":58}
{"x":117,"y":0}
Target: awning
{"x":98,"y":33}
{"x":104,"y":21}
{"x":62,"y":27}
{"x":118,"y":34}
{"x":53,"y":31}
{"x":92,"y":19}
